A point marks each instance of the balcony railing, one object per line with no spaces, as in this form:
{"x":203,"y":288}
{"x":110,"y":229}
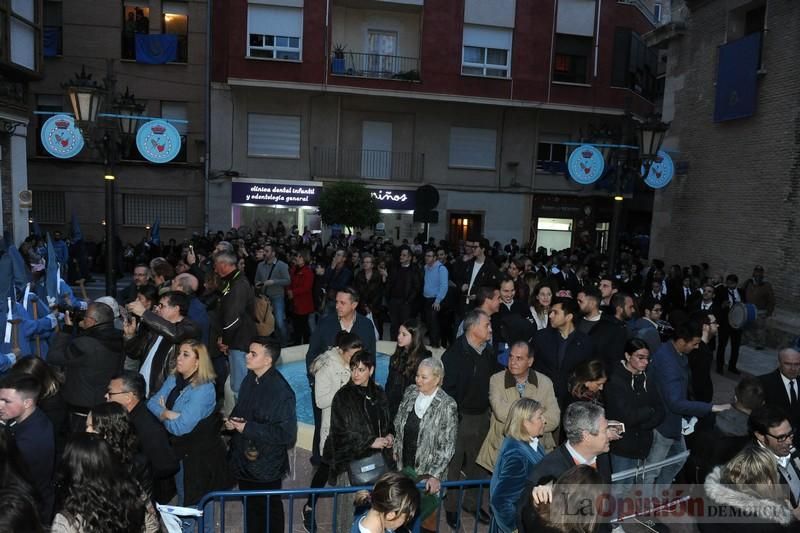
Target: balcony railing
{"x":355,"y":163}
{"x":375,"y":66}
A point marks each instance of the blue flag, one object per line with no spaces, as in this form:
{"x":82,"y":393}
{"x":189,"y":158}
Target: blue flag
{"x":51,"y":275}
{"x":156,"y":48}
{"x":155,"y":232}
{"x":76,"y":229}
{"x":737,"y":78}
{"x":36,"y":229}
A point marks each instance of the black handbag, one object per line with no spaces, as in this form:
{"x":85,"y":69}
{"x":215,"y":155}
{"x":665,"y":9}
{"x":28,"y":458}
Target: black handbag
{"x":367,"y":470}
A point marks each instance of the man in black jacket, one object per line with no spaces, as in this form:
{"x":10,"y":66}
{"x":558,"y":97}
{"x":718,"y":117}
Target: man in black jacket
{"x":480,"y":271}
{"x":128,"y":390}
{"x":560,"y":347}
{"x":160,"y":334}
{"x":611,"y":332}
{"x":89,"y":360}
{"x":782,"y":386}
{"x":235,"y":316}
{"x":468,"y":366}
{"x":403,"y":291}
{"x":587,"y":443}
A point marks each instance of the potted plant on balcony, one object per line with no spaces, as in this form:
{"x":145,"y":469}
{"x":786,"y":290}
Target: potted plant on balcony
{"x":337,"y":63}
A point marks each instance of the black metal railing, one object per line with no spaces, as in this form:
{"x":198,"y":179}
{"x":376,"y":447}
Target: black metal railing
{"x":356,"y":163}
{"x":375,"y":66}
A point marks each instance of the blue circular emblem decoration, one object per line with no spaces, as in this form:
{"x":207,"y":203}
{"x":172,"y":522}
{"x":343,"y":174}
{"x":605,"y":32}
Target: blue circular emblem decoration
{"x":158,"y":141}
{"x":661,"y":171}
{"x":60,"y":137}
{"x":586,"y":164}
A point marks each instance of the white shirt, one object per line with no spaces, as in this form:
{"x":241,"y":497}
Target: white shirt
{"x":705,"y":306}
{"x":422,"y":403}
{"x":476,"y":267}
{"x":148,"y":363}
{"x":579,"y":458}
{"x":786,"y":387}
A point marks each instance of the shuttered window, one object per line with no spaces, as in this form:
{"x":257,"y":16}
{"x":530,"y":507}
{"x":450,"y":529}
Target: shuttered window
{"x":274,"y":32}
{"x":273,"y":135}
{"x":473,"y":147}
{"x":143,"y":209}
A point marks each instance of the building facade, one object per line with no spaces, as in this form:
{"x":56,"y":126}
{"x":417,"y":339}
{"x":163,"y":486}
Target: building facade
{"x":736,"y":124}
{"x":480,"y":99}
{"x":123,"y":39}
{"x":20,"y":64}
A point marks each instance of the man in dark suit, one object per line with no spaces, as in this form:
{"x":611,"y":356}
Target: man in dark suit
{"x":587,"y":443}
{"x":560,"y":347}
{"x":480,"y":271}
{"x":725,"y":296}
{"x":772,"y":430}
{"x":781,"y":387}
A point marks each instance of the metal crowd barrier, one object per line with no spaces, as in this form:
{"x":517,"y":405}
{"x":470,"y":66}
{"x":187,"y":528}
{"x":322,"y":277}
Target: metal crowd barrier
{"x":640,"y":471}
{"x":454,"y":488}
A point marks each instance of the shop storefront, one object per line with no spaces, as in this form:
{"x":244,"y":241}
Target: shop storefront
{"x":258,"y":203}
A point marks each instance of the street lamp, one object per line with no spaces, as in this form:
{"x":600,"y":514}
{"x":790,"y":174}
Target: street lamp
{"x":90,"y":103}
{"x":650,"y":136}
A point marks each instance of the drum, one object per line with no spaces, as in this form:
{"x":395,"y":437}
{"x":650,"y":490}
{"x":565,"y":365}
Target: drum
{"x":742,"y":314}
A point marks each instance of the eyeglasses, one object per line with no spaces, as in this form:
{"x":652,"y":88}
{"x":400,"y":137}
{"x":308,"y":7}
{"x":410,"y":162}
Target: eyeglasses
{"x":109,"y":393}
{"x":782,"y":438}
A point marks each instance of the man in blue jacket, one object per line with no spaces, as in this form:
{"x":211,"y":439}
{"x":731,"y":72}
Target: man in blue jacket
{"x":669,"y":368}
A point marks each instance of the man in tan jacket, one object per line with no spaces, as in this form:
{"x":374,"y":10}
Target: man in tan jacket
{"x":508,"y":386}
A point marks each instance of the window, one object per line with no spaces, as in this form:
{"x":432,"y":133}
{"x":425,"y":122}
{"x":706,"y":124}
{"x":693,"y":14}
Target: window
{"x":135,"y":19}
{"x":571,"y":59}
{"x":143,"y":209}
{"x":635,"y":65}
{"x":52,"y":30}
{"x":657,"y":12}
{"x":49,"y":207}
{"x":273,"y":135}
{"x":747,"y":20}
{"x":175,"y":21}
{"x":274,"y":32}
{"x":50,"y":103}
{"x":487,"y":51}
{"x":177,"y":110}
{"x":23,"y":33}
{"x":551,"y":157}
{"x":473,"y":147}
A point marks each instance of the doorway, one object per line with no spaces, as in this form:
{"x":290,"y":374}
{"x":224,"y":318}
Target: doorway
{"x":376,"y":150}
{"x":463,"y":226}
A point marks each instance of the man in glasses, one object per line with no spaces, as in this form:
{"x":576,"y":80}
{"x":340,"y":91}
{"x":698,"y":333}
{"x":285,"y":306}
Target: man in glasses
{"x":772,"y":430}
{"x":128,"y":390}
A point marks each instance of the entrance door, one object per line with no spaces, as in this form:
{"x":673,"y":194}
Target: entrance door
{"x":382,"y":59}
{"x":376,"y":150}
{"x":554,"y":233}
{"x":464,"y":226}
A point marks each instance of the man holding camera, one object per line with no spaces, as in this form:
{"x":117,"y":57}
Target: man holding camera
{"x":159,"y":335}
{"x":89,"y":359}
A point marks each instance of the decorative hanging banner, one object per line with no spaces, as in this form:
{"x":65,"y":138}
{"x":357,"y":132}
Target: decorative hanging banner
{"x":661,"y":171}
{"x":586,"y":164}
{"x":158,"y":141}
{"x":60,"y":137}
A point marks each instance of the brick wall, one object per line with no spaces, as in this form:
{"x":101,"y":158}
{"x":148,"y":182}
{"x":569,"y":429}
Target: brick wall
{"x":738,"y":205}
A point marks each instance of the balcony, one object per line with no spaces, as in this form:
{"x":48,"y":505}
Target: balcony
{"x":362,"y":65}
{"x":356,"y":163}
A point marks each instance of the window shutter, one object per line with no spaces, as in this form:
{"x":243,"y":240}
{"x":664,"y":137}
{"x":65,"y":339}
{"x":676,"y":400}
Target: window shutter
{"x":576,"y":17}
{"x":273,"y":135}
{"x":275,"y":20}
{"x":473,"y":147}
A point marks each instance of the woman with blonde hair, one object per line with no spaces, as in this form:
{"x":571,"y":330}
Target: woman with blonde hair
{"x":748,"y":486}
{"x":185,"y":405}
{"x":519,"y":453}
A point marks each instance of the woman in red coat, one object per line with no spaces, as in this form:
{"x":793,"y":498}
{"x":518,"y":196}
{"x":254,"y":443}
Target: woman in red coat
{"x":300,"y":294}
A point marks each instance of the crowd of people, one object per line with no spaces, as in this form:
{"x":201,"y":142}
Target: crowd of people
{"x":543,"y":372}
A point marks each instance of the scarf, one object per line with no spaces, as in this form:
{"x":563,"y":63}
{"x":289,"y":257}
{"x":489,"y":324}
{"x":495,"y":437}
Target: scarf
{"x":180,"y":384}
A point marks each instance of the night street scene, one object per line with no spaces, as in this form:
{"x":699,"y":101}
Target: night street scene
{"x":402,"y":266}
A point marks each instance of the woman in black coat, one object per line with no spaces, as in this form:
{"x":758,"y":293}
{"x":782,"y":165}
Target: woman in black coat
{"x":360,"y":426}
{"x":404,"y":362}
{"x":631,"y":398}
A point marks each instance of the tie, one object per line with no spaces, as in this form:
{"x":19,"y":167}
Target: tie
{"x":792,"y":394}
{"x":732,"y":296}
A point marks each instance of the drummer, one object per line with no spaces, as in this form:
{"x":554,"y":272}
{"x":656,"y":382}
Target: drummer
{"x":726,"y":296}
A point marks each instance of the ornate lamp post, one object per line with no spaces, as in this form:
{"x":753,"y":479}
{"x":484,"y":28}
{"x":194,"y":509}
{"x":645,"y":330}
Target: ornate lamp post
{"x":95,"y":107}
